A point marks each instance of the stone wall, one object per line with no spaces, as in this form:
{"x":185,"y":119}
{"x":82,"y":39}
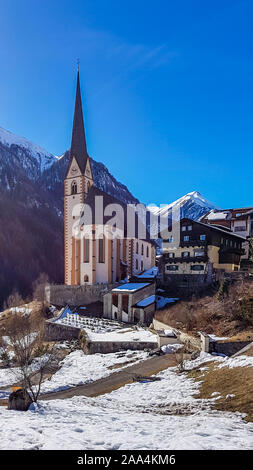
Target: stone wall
{"x":105,"y":347}
{"x":62,"y":294}
{"x":190,"y":340}
{"x":228,"y":347}
{"x":56,"y":332}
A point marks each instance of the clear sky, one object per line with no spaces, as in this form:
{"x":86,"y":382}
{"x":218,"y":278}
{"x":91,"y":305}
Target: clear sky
{"x":167,"y":89}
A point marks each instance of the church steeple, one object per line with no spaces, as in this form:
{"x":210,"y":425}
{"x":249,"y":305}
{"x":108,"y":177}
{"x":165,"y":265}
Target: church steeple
{"x":78,"y":144}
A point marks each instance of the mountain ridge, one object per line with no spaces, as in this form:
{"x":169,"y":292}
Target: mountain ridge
{"x":31,"y":211}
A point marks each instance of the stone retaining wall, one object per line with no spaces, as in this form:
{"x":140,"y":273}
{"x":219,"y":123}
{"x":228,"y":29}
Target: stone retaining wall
{"x":61,"y":294}
{"x":190,"y":340}
{"x":56,"y":332}
{"x":105,"y":347}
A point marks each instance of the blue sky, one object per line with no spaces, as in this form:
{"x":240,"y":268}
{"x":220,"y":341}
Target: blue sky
{"x":167,"y":89}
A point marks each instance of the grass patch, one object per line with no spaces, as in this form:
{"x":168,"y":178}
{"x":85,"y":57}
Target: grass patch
{"x":237,"y":381}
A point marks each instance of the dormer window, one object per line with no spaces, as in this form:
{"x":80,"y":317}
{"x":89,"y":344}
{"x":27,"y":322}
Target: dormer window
{"x":202,"y":237}
{"x":74,"y":188}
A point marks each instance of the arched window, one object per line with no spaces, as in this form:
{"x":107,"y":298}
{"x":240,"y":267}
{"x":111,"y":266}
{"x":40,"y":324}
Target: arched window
{"x":142,"y":249}
{"x":137,"y":264}
{"x":137,"y":248}
{"x":147,"y":251}
{"x":88,"y":186}
{"x":74,"y":188}
{"x":86,"y":278}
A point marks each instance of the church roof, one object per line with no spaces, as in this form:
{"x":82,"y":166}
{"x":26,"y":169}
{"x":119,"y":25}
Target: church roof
{"x":78,"y":144}
{"x":108,"y":199}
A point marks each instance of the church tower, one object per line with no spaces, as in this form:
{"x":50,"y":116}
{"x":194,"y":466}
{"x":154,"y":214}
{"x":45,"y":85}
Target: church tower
{"x":77,"y":183}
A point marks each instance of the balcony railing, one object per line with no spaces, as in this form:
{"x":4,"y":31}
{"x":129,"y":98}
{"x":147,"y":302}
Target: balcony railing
{"x":195,"y":242}
{"x":186,"y":259}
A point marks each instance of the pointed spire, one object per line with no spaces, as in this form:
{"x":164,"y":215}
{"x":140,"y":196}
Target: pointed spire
{"x":78,"y":143}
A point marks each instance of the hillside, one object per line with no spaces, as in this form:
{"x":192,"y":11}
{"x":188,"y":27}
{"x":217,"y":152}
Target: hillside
{"x":226,"y":311}
{"x":31,"y":211}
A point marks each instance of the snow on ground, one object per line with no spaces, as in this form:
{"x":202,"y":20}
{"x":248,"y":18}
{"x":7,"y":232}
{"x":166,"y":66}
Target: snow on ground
{"x":153,"y":415}
{"x":78,"y":368}
{"x":9,"y":376}
{"x":171,"y":348}
{"x":218,"y":338}
{"x":99,"y":329}
{"x":238,"y":361}
{"x":25,"y":310}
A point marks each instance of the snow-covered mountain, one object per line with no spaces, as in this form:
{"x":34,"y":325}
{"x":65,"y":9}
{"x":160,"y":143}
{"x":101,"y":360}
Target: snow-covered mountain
{"x":31,"y":211}
{"x":31,"y":157}
{"x":193,"y":206}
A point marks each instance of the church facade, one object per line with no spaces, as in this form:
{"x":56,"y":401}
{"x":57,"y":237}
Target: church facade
{"x":94,"y":251}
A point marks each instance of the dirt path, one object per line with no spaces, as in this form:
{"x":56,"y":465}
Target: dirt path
{"x":117,"y":379}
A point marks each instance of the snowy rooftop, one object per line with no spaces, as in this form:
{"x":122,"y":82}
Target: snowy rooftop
{"x":148,"y":301}
{"x":131,"y":286}
{"x":217,"y":215}
{"x":150,"y":273}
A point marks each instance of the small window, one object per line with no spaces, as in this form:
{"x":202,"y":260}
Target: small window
{"x":171,"y":239}
{"x":184,"y":228}
{"x":137,"y":248}
{"x":136,"y":264}
{"x":74,"y":188}
{"x":147,"y":251}
{"x":86,"y":250}
{"x":197,"y":267}
{"x":189,"y":227}
{"x":199,"y":253}
{"x":172,"y":267}
{"x":142,"y":249}
{"x":185,"y":254}
{"x":101,"y":250}
{"x":186,"y":238}
{"x":202,"y":237}
{"x":85,"y":278}
{"x":171,"y":255}
{"x":142,"y":266}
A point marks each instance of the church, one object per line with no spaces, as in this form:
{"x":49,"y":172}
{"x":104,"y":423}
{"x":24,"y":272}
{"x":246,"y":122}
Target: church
{"x":100,"y":244}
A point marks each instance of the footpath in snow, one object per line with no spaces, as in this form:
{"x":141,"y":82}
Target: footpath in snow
{"x":153,"y":415}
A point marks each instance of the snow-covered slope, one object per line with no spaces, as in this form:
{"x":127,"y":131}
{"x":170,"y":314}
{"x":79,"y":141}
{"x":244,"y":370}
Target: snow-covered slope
{"x":12,"y":141}
{"x":193,"y":206}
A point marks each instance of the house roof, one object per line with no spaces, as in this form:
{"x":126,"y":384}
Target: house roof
{"x":214,"y":228}
{"x":131,"y":287}
{"x":107,"y":200}
{"x":147,"y":301}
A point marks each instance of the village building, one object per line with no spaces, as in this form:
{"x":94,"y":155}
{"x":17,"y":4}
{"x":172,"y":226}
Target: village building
{"x":239,"y":221}
{"x":93,"y":253}
{"x":200,"y":255}
{"x":133,"y":302}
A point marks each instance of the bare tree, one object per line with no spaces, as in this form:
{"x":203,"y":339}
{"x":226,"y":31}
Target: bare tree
{"x":39,"y":287}
{"x":14,"y":300}
{"x":32,"y":357}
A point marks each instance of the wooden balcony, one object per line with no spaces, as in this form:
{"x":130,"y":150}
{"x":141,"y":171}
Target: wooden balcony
{"x":185,"y":259}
